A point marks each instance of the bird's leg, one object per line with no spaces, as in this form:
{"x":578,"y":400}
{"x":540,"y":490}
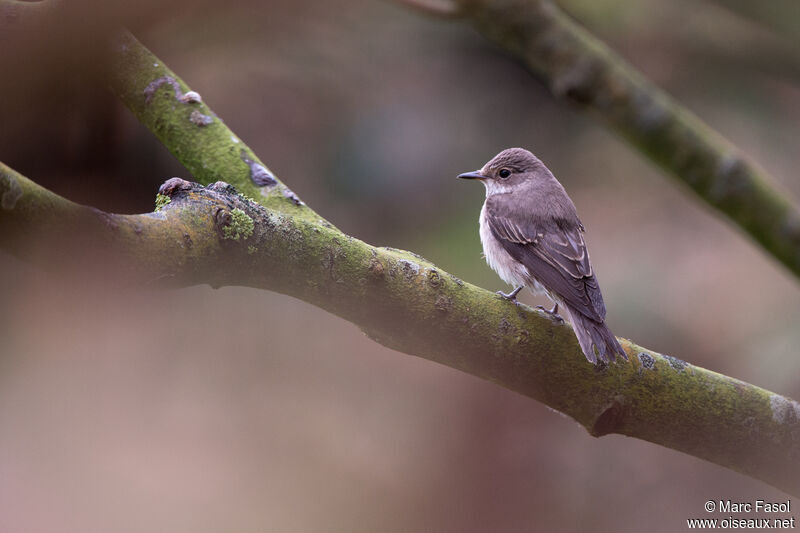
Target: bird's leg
{"x":511,"y":296}
{"x":552,"y":312}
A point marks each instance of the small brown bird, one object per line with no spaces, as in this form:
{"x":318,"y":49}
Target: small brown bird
{"x":532,"y":237}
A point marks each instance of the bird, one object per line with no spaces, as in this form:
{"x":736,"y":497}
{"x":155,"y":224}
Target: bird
{"x":532,"y":237}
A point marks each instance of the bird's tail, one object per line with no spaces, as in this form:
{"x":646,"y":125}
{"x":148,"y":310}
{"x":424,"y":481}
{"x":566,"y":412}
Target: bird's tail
{"x":596,"y":340}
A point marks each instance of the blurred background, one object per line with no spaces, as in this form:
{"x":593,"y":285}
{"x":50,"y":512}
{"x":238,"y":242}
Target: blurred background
{"x":234,"y":409}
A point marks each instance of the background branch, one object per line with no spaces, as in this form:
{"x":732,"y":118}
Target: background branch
{"x":580,"y":69}
{"x":439,"y":8}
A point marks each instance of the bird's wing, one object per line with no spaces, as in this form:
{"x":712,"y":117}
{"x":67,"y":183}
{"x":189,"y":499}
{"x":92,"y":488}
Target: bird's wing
{"x":556,"y":256}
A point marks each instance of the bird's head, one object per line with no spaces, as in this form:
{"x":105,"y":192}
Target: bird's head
{"x":508,"y":169}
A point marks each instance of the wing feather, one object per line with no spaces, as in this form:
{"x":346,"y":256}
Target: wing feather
{"x":556,"y":256}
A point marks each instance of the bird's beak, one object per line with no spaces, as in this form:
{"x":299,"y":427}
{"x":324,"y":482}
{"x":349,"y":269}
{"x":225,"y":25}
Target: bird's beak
{"x":474,"y":175}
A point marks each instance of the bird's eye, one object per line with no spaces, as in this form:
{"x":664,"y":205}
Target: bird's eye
{"x":504,"y":173}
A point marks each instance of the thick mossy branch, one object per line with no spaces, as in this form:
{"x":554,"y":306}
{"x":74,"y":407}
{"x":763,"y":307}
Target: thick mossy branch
{"x":290,"y":249}
{"x":580,"y":69}
{"x":47,"y":229}
{"x":215,"y":235}
{"x":164,"y":104}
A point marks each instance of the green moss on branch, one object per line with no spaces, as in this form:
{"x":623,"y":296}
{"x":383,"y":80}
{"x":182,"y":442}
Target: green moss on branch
{"x":161,"y":201}
{"x":164,"y":104}
{"x":239,"y":227}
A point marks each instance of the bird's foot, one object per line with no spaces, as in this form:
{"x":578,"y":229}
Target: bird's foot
{"x":552,"y":312}
{"x":511,"y":296}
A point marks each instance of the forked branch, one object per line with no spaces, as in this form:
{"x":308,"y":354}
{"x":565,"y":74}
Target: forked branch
{"x":215,"y":235}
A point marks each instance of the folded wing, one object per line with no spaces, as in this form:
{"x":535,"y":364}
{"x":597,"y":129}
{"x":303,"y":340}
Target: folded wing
{"x":556,"y":255}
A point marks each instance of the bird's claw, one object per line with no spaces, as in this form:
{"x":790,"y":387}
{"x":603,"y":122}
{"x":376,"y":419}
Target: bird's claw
{"x":511,"y":297}
{"x":552,"y":312}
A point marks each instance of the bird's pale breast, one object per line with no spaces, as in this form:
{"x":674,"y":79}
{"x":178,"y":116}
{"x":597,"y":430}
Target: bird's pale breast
{"x":509,"y":269}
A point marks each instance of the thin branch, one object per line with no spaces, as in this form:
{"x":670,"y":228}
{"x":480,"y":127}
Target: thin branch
{"x":580,"y":69}
{"x":12,"y":11}
{"x":438,"y":8}
{"x":214,"y":235}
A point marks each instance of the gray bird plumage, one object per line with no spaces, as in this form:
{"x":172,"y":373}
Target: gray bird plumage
{"x":532,"y":236}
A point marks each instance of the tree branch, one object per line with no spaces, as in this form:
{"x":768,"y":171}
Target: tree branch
{"x":193,"y":133}
{"x":293,"y":251}
{"x":438,"y":8}
{"x":580,"y":69}
{"x":215,"y":235}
